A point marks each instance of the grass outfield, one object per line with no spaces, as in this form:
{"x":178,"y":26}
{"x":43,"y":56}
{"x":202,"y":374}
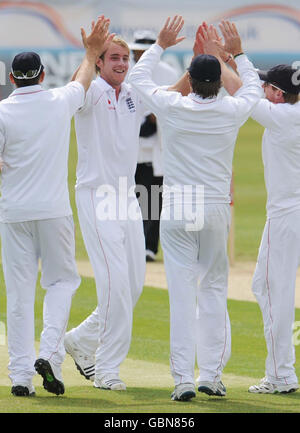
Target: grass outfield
{"x":146,"y":370}
{"x":250,"y":195}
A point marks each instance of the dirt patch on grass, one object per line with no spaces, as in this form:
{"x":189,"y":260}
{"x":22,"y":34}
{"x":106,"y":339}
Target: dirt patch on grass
{"x":239,"y":287}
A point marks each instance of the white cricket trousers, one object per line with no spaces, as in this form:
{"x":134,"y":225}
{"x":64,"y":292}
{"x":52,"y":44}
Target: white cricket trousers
{"x":274,"y":288}
{"x":23,"y":243}
{"x":196,"y":266}
{"x":116,"y":249}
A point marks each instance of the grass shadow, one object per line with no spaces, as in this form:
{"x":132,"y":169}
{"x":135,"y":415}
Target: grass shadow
{"x":144,"y":400}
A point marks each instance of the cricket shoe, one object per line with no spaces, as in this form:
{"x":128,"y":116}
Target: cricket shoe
{"x":266,"y":387}
{"x":212,"y":388}
{"x":183,"y":392}
{"x":23,"y":390}
{"x":150,"y":256}
{"x":110,"y":381}
{"x":85,"y":364}
{"x":51,"y":374}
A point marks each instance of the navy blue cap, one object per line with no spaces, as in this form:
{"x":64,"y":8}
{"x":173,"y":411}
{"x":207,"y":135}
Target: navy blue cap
{"x":26,"y":65}
{"x":205,"y":68}
{"x":282,"y":76}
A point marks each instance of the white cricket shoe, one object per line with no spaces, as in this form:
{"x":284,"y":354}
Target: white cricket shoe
{"x":110,"y":381}
{"x":266,"y":387}
{"x":85,"y":363}
{"x":212,"y":388}
{"x":183,"y":392}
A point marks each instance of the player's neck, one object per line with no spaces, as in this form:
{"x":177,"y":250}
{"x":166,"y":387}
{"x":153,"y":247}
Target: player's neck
{"x":117,"y":90}
{"x":116,"y":87}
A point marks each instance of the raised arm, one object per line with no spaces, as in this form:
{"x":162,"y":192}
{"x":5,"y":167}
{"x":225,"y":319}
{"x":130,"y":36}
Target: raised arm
{"x":209,"y":39}
{"x":94,"y":45}
{"x":167,"y":37}
{"x":141,"y":75}
{"x":232,"y":42}
{"x":183,"y":84}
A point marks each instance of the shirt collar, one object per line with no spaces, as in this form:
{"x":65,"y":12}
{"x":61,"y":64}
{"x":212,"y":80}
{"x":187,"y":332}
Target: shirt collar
{"x":200,"y":100}
{"x":27,"y":90}
{"x":125,"y":87}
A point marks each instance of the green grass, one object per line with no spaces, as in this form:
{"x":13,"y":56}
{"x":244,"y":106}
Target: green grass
{"x":250,"y":195}
{"x":146,"y":369}
{"x":81,"y":253}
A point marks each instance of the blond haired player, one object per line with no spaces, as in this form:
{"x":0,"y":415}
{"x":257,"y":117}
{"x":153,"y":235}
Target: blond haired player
{"x":35,"y":213}
{"x":107,"y":129}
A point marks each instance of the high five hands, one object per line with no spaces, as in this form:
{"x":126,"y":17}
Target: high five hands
{"x":168,"y":36}
{"x":232,"y":39}
{"x":208,"y":41}
{"x":99,"y":36}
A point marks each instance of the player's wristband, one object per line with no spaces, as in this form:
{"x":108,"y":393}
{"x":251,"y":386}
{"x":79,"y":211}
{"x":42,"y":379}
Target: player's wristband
{"x":239,"y":54}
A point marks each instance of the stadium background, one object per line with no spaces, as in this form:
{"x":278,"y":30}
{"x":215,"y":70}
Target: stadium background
{"x":271,"y":35}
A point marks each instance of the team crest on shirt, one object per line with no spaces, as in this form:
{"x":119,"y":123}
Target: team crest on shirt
{"x":130,"y":105}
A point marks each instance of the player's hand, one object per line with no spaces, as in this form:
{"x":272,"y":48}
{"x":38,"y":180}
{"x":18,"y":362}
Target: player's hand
{"x":198,"y":47}
{"x":96,"y":41}
{"x":233,"y":43}
{"x":168,"y":36}
{"x":207,"y":37}
{"x":223,"y":53}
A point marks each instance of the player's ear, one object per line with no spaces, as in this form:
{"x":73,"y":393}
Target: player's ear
{"x":99,"y":63}
{"x":11,"y":78}
{"x":42,"y":77}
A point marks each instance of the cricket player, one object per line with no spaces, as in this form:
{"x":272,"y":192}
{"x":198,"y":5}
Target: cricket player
{"x":107,"y":130}
{"x":35,"y":213}
{"x":279,"y":253}
{"x":149,"y":171}
{"x":198,"y":138}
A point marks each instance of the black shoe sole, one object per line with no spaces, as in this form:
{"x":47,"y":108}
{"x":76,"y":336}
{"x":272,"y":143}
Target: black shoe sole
{"x":50,"y":383}
{"x":208,"y":391}
{"x":150,"y":259}
{"x":287,"y":392}
{"x":82,"y":372}
{"x":275,"y":392}
{"x":21,"y":391}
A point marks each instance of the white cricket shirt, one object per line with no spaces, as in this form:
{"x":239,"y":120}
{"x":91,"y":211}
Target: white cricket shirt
{"x":198,"y":135}
{"x":34,"y":144}
{"x":107,"y":133}
{"x":150,"y":147}
{"x":281,"y":155}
